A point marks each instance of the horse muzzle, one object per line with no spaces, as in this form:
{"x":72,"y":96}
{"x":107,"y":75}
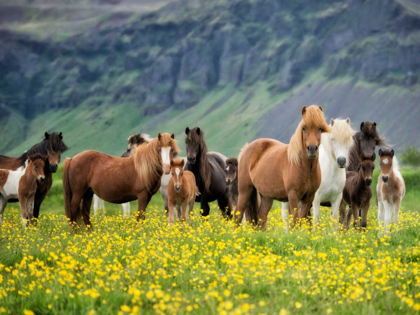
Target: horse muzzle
{"x":385,"y":178}
{"x":227,"y":181}
{"x":341,"y":161}
{"x":41,"y":179}
{"x":53,"y":168}
{"x":177,"y":188}
{"x":368,"y":181}
{"x":191,"y":160}
{"x":166,"y":169}
{"x":312,"y":151}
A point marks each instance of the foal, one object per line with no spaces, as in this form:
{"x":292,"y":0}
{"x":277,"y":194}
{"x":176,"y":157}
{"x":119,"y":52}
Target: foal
{"x":390,"y":190}
{"x":22,"y":184}
{"x":231,"y":175}
{"x":357,"y":191}
{"x":181,"y":191}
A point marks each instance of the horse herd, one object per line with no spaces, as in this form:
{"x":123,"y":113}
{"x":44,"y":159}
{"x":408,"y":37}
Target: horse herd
{"x":330,"y":165}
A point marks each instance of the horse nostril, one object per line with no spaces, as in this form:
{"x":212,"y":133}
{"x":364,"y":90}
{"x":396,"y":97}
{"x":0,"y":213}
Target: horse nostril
{"x":385,"y":178}
{"x":341,"y":161}
{"x":369,"y":181}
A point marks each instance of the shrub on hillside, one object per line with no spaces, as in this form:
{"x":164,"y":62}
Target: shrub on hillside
{"x":411,"y":156}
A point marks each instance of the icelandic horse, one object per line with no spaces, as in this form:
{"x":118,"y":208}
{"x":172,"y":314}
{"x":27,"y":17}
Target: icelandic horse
{"x":390,"y":190}
{"x":115,"y":179}
{"x":286,"y":172}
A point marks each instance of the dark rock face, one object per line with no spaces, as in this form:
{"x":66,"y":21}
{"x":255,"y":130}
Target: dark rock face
{"x":162,"y":64}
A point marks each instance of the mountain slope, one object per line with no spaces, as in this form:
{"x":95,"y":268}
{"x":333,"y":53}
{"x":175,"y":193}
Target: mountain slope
{"x":239,"y":69}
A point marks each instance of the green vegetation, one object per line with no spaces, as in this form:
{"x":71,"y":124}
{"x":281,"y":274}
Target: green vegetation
{"x":411,"y":156}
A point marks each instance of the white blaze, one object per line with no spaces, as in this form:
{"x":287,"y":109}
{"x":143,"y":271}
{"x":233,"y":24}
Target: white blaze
{"x":385,"y":161}
{"x":166,"y":156}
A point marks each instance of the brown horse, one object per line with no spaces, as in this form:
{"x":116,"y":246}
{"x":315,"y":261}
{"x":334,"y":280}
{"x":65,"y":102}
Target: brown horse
{"x":357,"y":191}
{"x":53,"y":146}
{"x":365,"y":142}
{"x":390,"y":190}
{"x":114,"y":179}
{"x":181,"y":192}
{"x":22,"y":184}
{"x":285,"y":172}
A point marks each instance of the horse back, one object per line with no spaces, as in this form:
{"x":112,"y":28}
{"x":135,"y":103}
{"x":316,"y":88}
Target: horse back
{"x":10,"y":163}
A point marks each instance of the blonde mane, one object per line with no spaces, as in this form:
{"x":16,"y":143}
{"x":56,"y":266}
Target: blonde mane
{"x":312,"y":117}
{"x":341,"y":131}
{"x":147,"y":160}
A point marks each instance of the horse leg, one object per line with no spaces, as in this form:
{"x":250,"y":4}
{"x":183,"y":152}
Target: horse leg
{"x":184,"y":211}
{"x":178,"y":212}
{"x":364,"y":211}
{"x":263,"y":211}
{"x":3,"y":203}
{"x":85,"y":207}
{"x":293,"y":205}
{"x":316,"y":205}
{"x":23,"y":204}
{"x":305,"y":207}
{"x":388,"y":216}
{"x":164,"y":193}
{"x":343,"y":212}
{"x":244,"y":197}
{"x":102,"y":205}
{"x":225,"y":205}
{"x":143,"y":200}
{"x":40,"y":194}
{"x":355,"y":210}
{"x":335,"y":204}
{"x":30,"y":208}
{"x":95,"y":205}
{"x":205,"y":207}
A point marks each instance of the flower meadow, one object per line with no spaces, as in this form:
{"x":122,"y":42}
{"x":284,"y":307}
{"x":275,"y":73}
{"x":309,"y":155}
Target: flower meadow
{"x":122,"y":266}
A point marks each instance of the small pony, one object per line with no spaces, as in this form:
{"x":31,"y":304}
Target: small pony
{"x":357,"y":191}
{"x":22,"y":184}
{"x":333,"y":157}
{"x":231,"y":175}
{"x":390,"y":190}
{"x":182,"y":191}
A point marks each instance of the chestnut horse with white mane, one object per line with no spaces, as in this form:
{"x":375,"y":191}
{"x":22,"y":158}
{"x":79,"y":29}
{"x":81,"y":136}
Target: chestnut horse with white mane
{"x":115,"y":179}
{"x":285,"y":172}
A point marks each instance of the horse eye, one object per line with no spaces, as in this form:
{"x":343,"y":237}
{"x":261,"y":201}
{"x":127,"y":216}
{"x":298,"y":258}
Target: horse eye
{"x":304,"y":128}
{"x":319,"y":129}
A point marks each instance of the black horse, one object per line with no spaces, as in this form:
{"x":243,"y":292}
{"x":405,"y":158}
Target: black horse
{"x":209,"y":172}
{"x":52,"y":146}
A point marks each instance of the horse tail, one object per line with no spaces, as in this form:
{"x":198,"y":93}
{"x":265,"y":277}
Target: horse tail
{"x":252,"y":206}
{"x":67,"y":193}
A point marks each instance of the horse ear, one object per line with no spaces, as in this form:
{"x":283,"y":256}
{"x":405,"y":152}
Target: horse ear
{"x":198,"y":130}
{"x":381,"y":152}
{"x":173,"y":136}
{"x":47,"y":135}
{"x":320,"y":108}
{"x":182,"y":163}
{"x":332,"y":122}
{"x":373,"y":158}
{"x":348,"y":120}
{"x":45,"y":158}
{"x":374,"y":124}
{"x":361,"y":125}
{"x":392,"y":153}
{"x":303,"y":110}
{"x":159,"y":136}
{"x":30,"y":158}
{"x":236,"y":163}
{"x":187,"y":131}
{"x":60,"y":135}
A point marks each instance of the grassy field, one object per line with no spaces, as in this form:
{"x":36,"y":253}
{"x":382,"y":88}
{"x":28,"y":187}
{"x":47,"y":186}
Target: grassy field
{"x":210,"y":267}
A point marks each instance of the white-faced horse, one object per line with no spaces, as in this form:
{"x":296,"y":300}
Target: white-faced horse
{"x":333,"y":156}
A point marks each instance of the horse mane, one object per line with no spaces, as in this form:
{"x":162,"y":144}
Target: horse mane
{"x":313,"y":117}
{"x":342,"y":133}
{"x":147,"y":161}
{"x":52,"y":143}
{"x":205,"y":173}
{"x":369,"y":129}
